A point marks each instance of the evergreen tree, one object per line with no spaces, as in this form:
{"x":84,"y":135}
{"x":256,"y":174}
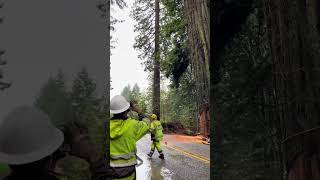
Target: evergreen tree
{"x":54,"y":100}
{"x":126,"y":92}
{"x":135,"y":93}
{"x":174,"y":49}
{"x":83,"y":96}
{"x":147,"y":15}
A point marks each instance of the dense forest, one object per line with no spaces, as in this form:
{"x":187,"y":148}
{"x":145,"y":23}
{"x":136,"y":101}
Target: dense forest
{"x":80,"y":104}
{"x":173,"y":40}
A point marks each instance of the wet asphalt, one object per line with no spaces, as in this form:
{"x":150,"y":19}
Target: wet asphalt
{"x":176,"y":166}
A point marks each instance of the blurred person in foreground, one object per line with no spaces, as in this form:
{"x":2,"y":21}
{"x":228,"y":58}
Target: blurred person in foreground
{"x":31,"y":146}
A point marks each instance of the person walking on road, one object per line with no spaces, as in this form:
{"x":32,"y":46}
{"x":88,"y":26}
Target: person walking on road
{"x":156,"y":136}
{"x":124,"y":134}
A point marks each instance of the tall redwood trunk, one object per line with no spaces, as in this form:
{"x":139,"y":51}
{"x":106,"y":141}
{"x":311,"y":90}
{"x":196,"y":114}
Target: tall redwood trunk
{"x":156,"y":64}
{"x":197,"y":12}
{"x":294,"y":40}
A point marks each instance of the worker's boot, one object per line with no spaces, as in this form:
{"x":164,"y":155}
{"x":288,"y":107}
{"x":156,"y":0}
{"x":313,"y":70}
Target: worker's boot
{"x":161,"y":155}
{"x":150,"y":154}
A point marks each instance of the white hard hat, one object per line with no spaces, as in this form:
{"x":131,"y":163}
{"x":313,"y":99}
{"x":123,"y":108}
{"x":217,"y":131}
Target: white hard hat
{"x":119,"y":104}
{"x":27,"y":135}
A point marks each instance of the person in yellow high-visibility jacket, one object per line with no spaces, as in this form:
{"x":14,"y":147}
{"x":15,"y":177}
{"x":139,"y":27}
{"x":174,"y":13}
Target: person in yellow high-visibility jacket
{"x":124,"y":134}
{"x":156,"y":136}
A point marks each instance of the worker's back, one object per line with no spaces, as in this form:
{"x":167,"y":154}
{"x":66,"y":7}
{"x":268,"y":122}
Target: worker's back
{"x":156,"y":129}
{"x":123,"y":137}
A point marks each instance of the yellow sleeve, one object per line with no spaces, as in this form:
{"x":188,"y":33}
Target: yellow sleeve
{"x":142,"y":129}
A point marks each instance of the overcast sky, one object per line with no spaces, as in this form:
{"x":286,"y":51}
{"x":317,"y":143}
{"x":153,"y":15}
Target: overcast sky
{"x":40,"y":36}
{"x":126,"y":68}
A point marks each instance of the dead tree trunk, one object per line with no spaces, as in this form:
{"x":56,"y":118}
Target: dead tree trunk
{"x":295,"y":43}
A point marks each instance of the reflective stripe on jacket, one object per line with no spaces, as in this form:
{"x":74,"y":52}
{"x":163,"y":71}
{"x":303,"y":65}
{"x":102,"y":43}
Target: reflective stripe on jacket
{"x":156,"y":129}
{"x":124,"y":135}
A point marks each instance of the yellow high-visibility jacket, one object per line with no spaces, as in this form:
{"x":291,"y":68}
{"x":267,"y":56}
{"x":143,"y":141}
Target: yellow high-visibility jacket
{"x":124,"y":135}
{"x":156,"y":129}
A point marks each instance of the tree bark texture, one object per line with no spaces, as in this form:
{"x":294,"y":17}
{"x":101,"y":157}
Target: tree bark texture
{"x":295,"y":43}
{"x":156,"y":63}
{"x":199,"y":44}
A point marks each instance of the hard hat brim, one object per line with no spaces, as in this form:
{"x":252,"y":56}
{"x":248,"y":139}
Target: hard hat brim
{"x":51,"y":147}
{"x":118,"y":111}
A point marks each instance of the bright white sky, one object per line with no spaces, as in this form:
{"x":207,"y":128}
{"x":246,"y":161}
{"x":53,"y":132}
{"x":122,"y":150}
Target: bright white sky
{"x":126,"y":67}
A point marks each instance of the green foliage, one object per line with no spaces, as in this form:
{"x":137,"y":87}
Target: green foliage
{"x":90,"y":109}
{"x":75,"y":168}
{"x":178,"y":104}
{"x":54,"y":100}
{"x":102,"y":7}
{"x":83,"y":96}
{"x":82,"y":105}
{"x":174,"y":51}
{"x":143,"y":13}
{"x":131,"y":94}
{"x":134,"y":94}
{"x":126,"y":92}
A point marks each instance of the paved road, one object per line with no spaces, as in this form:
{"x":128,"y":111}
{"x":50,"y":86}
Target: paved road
{"x":177,"y":165}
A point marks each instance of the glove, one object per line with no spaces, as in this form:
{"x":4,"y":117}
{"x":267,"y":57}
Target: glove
{"x":153,"y":138}
{"x":80,"y":145}
{"x":141,"y":116}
